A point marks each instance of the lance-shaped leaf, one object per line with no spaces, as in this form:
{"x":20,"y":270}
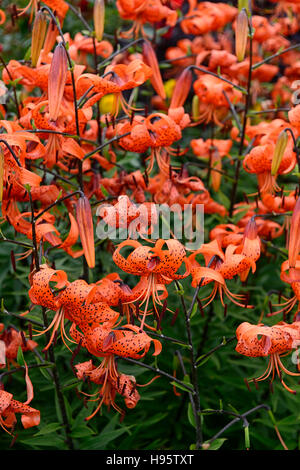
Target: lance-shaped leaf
{"x":86,"y":229}
{"x":57,"y":80}
{"x":294,"y":240}
{"x":150,"y":59}
{"x":38,"y":36}
{"x":280,"y":147}
{"x":241,"y":34}
{"x":99,"y":17}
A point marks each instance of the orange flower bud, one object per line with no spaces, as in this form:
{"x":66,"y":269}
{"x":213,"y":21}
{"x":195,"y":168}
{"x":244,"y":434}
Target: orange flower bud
{"x":195,"y":108}
{"x":57,"y":79}
{"x":1,"y":172}
{"x":280,"y":147}
{"x":150,"y":59}
{"x":86,"y":229}
{"x":250,"y":246}
{"x":99,"y":17}
{"x":51,"y":36}
{"x":216,"y":163}
{"x":182,"y":88}
{"x":241,"y":34}
{"x":38,"y":36}
{"x":294,"y":239}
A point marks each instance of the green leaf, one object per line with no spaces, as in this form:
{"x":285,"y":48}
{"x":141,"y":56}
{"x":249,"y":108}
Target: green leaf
{"x":191,"y":416}
{"x":177,"y":385}
{"x":217,"y":443}
{"x":20,"y":357}
{"x":48,"y":429}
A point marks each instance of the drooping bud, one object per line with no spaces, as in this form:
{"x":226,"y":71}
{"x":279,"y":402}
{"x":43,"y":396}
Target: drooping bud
{"x":182,"y":88}
{"x":57,"y":80}
{"x":195,"y":108}
{"x":1,"y":172}
{"x":150,"y":59}
{"x":51,"y":36}
{"x":294,"y":239}
{"x":280,"y":147}
{"x":86,"y":229}
{"x":38,"y":36}
{"x":216,"y":164}
{"x":99,"y":17}
{"x":250,"y":246}
{"x":241,"y":34}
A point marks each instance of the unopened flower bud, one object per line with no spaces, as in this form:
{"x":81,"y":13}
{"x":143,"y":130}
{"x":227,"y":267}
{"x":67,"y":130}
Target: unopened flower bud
{"x":57,"y":80}
{"x":1,"y":172}
{"x":99,"y":17}
{"x":195,"y":108}
{"x":150,"y":59}
{"x":294,"y":239}
{"x":86,"y":229}
{"x":182,"y":88}
{"x":280,"y":147}
{"x":38,"y":36}
{"x":241,"y":34}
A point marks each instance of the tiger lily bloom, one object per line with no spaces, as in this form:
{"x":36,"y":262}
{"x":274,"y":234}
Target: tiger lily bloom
{"x":213,"y":105}
{"x":222,"y":266}
{"x":117,"y":78}
{"x":143,"y":11}
{"x":259,"y":161}
{"x":158,"y":131}
{"x":205,"y":17}
{"x":290,"y":275}
{"x":156,"y":265}
{"x":8,"y":409}
{"x":11,"y":341}
{"x":59,"y":6}
{"x":275,"y":341}
{"x":111,"y":381}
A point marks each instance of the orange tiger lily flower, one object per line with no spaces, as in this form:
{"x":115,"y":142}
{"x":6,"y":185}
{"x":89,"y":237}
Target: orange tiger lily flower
{"x":213,"y":105}
{"x":290,"y":275}
{"x":223,"y":266}
{"x":59,"y":6}
{"x":155,"y":264}
{"x":275,"y":341}
{"x":8,"y":409}
{"x":10,"y":342}
{"x":109,"y":339}
{"x":157,"y":131}
{"x":121,"y":77}
{"x":144,"y":11}
{"x":112,"y":382}
{"x":205,"y":17}
{"x":81,"y":46}
{"x":259,"y":161}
